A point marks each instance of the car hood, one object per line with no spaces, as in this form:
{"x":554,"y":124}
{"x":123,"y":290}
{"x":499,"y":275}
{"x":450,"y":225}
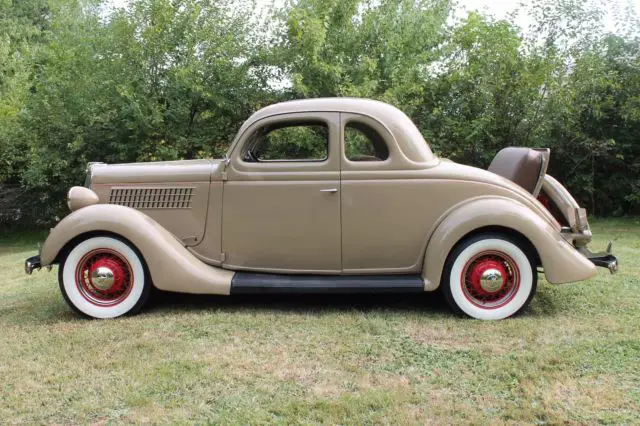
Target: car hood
{"x":153,"y":172}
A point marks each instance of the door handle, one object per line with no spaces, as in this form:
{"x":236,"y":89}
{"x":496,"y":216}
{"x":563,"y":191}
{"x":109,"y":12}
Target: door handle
{"x":330,"y":190}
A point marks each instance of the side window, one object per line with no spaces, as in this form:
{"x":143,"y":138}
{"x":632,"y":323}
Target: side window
{"x":291,"y":141}
{"x":362,"y":143}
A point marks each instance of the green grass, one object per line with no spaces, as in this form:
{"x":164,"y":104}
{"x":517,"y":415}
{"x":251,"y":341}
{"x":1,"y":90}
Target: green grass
{"x":573,"y":357}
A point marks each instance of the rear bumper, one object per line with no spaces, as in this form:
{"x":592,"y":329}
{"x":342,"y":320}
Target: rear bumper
{"x":603,"y":259}
{"x":608,"y":261}
{"x":32,"y":263}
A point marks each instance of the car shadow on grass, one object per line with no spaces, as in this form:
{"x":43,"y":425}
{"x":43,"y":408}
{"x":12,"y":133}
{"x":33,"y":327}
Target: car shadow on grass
{"x":544,"y":303}
{"x":432,"y":303}
{"x":45,"y":311}
{"x":48,"y":307}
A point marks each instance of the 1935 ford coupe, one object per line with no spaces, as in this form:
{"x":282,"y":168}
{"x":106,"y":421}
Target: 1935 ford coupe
{"x":322,"y":195}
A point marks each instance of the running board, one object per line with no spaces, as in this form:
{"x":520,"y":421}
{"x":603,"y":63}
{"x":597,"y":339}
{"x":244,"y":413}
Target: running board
{"x":256,"y":283}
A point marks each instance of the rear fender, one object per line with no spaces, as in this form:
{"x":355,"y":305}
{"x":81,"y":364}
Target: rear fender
{"x":171,"y":265}
{"x":562,"y":263}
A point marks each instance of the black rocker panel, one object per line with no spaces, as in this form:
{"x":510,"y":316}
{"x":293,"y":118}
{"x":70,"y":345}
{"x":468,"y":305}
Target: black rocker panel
{"x":252,"y":283}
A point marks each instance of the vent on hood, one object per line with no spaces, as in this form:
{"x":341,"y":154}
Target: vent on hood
{"x":152,"y":198}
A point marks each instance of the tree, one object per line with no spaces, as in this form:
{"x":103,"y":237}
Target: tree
{"x":172,"y":79}
{"x":163,"y":80}
{"x":23,"y":27}
{"x":378,"y":50}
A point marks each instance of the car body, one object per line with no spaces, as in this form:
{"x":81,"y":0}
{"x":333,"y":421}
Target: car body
{"x":321,"y":195}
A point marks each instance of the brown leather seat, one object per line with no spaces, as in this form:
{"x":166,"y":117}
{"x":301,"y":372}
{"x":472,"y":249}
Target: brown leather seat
{"x":519,"y":165}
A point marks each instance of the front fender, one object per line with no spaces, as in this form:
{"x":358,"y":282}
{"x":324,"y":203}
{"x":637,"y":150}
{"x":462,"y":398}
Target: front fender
{"x":171,"y":265}
{"x":562,"y":263}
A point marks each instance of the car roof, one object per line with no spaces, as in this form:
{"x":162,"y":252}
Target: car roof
{"x":405,"y":133}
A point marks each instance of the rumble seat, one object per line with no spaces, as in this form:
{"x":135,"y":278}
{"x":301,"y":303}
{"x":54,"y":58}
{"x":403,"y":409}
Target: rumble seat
{"x":524,"y":166}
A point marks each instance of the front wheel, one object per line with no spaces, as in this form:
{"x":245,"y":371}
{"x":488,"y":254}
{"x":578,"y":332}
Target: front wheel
{"x":489,"y":277}
{"x":104,"y":277}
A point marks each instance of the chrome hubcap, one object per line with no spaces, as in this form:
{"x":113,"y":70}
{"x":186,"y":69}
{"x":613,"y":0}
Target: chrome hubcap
{"x":102,"y":278}
{"x":491,"y":280}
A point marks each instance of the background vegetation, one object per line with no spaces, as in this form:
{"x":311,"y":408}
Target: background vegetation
{"x":170,"y":79}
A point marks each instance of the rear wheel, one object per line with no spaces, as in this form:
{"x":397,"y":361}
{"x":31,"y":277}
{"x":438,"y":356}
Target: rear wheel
{"x":104,"y":277}
{"x":488,"y":277}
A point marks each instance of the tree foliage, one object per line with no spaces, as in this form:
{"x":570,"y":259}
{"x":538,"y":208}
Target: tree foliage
{"x":171,"y":79}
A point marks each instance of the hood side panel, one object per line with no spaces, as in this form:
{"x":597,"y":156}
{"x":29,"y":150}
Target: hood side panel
{"x":173,"y":193}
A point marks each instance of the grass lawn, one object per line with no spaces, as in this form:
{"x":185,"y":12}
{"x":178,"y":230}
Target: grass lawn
{"x":573,"y":357}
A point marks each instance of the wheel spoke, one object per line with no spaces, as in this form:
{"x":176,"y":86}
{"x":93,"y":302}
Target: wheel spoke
{"x":490,"y":279}
{"x":104,"y":277}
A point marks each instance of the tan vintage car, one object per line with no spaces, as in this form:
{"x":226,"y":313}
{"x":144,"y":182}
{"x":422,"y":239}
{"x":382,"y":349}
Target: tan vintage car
{"x":323,"y":195}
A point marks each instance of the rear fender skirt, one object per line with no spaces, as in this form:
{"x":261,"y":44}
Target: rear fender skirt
{"x":561,"y":261}
{"x":171,"y":265}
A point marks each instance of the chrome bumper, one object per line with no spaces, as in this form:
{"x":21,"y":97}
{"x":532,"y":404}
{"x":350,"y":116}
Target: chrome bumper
{"x":32,"y":263}
{"x":603,"y":259}
{"x":606,"y":261}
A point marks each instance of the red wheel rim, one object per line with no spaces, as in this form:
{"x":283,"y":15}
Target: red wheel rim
{"x":104,"y":277}
{"x":490,"y":279}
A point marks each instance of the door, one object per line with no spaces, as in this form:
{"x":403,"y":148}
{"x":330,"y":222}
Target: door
{"x":385,"y":216}
{"x":281,"y":199}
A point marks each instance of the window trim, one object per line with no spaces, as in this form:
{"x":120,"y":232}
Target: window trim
{"x":301,"y":170}
{"x":360,"y":122}
{"x":380,"y":129}
{"x":303,"y":122}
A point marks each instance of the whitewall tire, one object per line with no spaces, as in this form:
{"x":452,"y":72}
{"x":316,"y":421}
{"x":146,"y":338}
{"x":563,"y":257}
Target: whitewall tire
{"x":104,"y":277}
{"x":489,"y":277}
